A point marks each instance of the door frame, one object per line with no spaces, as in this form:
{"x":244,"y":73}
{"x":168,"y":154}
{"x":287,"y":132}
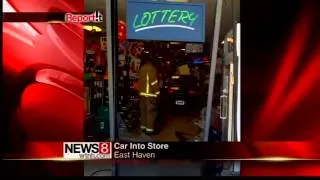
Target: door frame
{"x":112,"y":59}
{"x":214,"y":52}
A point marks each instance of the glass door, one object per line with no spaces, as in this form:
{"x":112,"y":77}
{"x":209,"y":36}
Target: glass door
{"x":185,"y":71}
{"x":100,"y":104}
{"x":230,"y":93}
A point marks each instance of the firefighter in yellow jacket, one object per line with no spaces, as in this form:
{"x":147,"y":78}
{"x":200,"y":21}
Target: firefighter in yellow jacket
{"x":149,"y":91}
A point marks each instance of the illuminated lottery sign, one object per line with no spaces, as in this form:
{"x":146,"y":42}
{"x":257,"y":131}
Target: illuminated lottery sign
{"x":165,"y":21}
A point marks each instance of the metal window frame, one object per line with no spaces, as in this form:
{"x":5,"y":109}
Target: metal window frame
{"x":214,"y":51}
{"x":112,"y":52}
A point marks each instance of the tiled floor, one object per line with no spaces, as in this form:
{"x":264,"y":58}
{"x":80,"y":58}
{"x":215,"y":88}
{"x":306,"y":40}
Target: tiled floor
{"x":98,"y":168}
{"x":180,"y":123}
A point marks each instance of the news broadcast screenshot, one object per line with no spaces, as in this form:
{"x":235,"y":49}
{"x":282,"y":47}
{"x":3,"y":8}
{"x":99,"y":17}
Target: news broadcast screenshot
{"x":201,"y":88}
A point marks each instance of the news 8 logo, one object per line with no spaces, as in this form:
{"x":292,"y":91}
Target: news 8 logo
{"x":87,"y":150}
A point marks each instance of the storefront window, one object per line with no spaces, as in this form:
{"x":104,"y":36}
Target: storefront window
{"x":162,"y":83}
{"x":99,"y":126}
{"x":96,"y":79}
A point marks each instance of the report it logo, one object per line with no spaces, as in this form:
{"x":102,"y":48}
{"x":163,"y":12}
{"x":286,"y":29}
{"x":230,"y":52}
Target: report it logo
{"x":84,"y":18}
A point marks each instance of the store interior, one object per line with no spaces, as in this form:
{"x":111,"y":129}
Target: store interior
{"x":174,"y":122}
{"x":180,"y":65}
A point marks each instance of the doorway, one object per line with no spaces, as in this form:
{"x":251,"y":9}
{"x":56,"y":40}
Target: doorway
{"x":183,"y":79}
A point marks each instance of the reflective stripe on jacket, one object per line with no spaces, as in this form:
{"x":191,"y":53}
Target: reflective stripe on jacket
{"x":148,"y":81}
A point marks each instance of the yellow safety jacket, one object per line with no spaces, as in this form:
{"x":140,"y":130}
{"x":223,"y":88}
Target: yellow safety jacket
{"x":148,"y":81}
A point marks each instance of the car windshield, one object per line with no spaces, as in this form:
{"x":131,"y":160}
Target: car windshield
{"x":184,"y":81}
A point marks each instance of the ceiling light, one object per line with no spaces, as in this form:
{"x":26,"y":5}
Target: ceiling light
{"x":230,"y":40}
{"x":92,"y":28}
{"x":97,"y":29}
{"x":88,"y":28}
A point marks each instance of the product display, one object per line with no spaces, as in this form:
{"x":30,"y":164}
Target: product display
{"x":128,"y":98}
{"x":103,"y":43}
{"x":96,"y":93}
{"x":87,"y":97}
{"x":134,"y":67}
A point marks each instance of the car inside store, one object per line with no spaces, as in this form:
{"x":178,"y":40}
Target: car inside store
{"x":186,"y":73}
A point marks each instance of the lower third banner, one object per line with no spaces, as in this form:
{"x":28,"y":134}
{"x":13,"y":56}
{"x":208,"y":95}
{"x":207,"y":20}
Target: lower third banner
{"x":277,"y":151}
